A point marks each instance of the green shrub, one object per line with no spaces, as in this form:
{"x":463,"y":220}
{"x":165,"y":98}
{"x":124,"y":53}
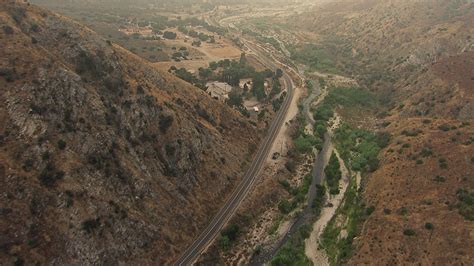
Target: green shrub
{"x":45,"y":156}
{"x":90,"y":225}
{"x":49,"y":175}
{"x":305,"y":143}
{"x":429,"y":226}
{"x":323,"y":113}
{"x":320,"y":128}
{"x":258,"y":249}
{"x":293,"y":252}
{"x":8,"y":30}
{"x":411,"y":132}
{"x":225,"y":243}
{"x":28,"y":165}
{"x":403,"y":211}
{"x":466,"y":203}
{"x":169,"y":35}
{"x":333,"y":174}
{"x":290,"y":165}
{"x":18,"y":13}
{"x":440,"y":179}
{"x":426,"y":152}
{"x":358,"y":146}
{"x":383,"y":139}
{"x":319,"y":200}
{"x":19,"y":261}
{"x":286,"y":206}
{"x":34,"y":27}
{"x":443,"y":164}
{"x":87,"y":63}
{"x":61,"y":144}
{"x":285,"y":184}
{"x":9,"y":74}
{"x":369,"y":210}
{"x":444,"y":127}
{"x":165,"y":123}
{"x":409,"y":232}
{"x":231,"y":231}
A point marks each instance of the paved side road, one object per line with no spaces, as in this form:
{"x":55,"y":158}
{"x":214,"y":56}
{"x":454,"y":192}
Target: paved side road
{"x":307,"y":214}
{"x":191,"y":254}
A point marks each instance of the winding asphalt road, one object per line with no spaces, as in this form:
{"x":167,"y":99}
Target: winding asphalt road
{"x":227,"y":211}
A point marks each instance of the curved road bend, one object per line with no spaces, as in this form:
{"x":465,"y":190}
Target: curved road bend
{"x":226,"y":212}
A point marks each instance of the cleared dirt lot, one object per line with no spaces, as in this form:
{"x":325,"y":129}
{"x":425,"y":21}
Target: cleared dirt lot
{"x":200,"y":56}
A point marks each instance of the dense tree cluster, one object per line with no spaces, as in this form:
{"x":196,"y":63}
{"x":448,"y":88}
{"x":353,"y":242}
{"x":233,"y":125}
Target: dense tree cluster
{"x":333,"y":174}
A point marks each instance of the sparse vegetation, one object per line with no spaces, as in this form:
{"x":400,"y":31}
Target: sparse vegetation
{"x":292,"y":253}
{"x":299,"y":194}
{"x":305,"y":143}
{"x":228,"y":236}
{"x":443,"y":164}
{"x":429,"y":226}
{"x":319,"y":200}
{"x":18,"y":14}
{"x":35,"y":27}
{"x":165,"y":123}
{"x":8,"y":74}
{"x":411,"y":132}
{"x":338,"y":247}
{"x":91,"y":225}
{"x":403,"y":211}
{"x":8,"y":30}
{"x":409,"y":232}
{"x":440,"y":179}
{"x":50,"y":175}
{"x":286,"y":206}
{"x":444,"y":127}
{"x":426,"y":152}
{"x":314,"y":56}
{"x":275,"y":225}
{"x":61,"y":144}
{"x":351,"y":97}
{"x":169,"y":35}
{"x":465,"y":203}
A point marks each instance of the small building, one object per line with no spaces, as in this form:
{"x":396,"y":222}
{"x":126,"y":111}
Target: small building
{"x":219,"y":90}
{"x":256,"y":110}
{"x":245,"y":82}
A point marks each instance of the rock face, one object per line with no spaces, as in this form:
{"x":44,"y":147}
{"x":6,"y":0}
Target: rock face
{"x":103,"y":158}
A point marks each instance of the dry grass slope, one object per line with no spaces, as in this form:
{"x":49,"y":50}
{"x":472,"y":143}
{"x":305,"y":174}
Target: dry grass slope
{"x":103,"y":158}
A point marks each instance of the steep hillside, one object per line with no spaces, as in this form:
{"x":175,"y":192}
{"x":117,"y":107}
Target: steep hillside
{"x":418,"y":56}
{"x":103,"y":159}
{"x":384,"y":43}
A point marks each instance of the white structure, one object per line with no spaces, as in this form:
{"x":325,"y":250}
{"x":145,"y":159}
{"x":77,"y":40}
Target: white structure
{"x":219,"y":90}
